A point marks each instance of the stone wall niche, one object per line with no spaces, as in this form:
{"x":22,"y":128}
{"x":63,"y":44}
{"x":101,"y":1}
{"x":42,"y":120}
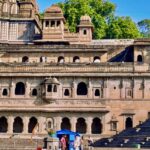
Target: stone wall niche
{"x":50,"y":89}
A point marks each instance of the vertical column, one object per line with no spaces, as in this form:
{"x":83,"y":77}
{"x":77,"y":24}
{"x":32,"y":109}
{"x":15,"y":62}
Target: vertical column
{"x":25,"y":125}
{"x":143,"y":88}
{"x":10,"y":124}
{"x":12,"y":89}
{"x":105,"y":89}
{"x":90,"y":89}
{"x":58,"y":123}
{"x":89,"y":121}
{"x":74,"y":89}
{"x":27,"y":90}
{"x":121,"y":89}
{"x":42,"y":125}
{"x":73,"y":124}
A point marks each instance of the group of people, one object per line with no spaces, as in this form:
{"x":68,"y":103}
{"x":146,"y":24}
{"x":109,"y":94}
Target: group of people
{"x":77,"y":145}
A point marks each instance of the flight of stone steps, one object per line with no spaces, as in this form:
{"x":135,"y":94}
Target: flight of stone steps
{"x":20,"y":144}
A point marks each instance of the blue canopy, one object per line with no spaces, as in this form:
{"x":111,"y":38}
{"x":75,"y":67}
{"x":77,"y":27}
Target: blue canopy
{"x":67,"y":132}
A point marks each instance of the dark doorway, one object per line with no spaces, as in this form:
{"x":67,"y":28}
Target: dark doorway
{"x":139,"y":59}
{"x":18,"y":125}
{"x":97,"y":126}
{"x":20,"y":88}
{"x":25,"y":59}
{"x":128,"y":123}
{"x":66,"y":124}
{"x":3,"y":125}
{"x":82,"y":89}
{"x":81,"y":126}
{"x":32,"y":123}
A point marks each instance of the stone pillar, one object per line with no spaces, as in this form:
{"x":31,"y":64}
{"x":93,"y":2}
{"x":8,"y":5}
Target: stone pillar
{"x":58,"y":123}
{"x":90,"y":90}
{"x":42,"y":125}
{"x":89,"y":121}
{"x":74,"y":89}
{"x":25,"y":125}
{"x":10,"y":124}
{"x":105,"y":88}
{"x":73,"y":124}
{"x":12,"y":89}
{"x":27,"y":90}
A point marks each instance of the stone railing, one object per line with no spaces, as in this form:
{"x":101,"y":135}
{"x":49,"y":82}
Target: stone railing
{"x":77,"y":68}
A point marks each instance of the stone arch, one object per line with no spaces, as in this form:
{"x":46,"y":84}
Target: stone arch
{"x":76,"y":59}
{"x":96,"y":126}
{"x":5,"y":92}
{"x":3,"y":125}
{"x":20,"y":88}
{"x":18,"y":125}
{"x":49,"y":88}
{"x":128,"y":123}
{"x":32,"y":123}
{"x":34,"y":92}
{"x":139,"y":58}
{"x":66,"y":92}
{"x":14,"y":9}
{"x":25,"y":59}
{"x":61,"y":59}
{"x":49,"y":123}
{"x":81,"y":126}
{"x":82,"y":89}
{"x":5,"y":7}
{"x":65,"y":124}
{"x":96,"y":59}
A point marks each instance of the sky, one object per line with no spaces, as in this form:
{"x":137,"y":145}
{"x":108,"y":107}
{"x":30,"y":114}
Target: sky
{"x":136,"y":9}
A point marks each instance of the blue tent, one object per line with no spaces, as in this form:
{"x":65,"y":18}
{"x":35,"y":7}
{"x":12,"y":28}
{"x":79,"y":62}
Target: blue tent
{"x":70,"y":134}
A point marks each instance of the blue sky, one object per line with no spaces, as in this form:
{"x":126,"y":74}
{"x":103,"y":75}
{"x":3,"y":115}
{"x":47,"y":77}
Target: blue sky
{"x":136,"y":9}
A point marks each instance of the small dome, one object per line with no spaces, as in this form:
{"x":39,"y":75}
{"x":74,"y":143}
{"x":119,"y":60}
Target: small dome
{"x":85,"y":18}
{"x":51,"y":81}
{"x":54,"y":9}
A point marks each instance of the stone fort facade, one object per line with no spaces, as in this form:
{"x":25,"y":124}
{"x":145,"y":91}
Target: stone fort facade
{"x":63,"y":80}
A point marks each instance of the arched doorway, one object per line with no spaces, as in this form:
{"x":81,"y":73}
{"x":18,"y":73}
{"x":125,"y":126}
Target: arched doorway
{"x":18,"y":125}
{"x":25,"y":59}
{"x":128,"y":123}
{"x":76,"y":59}
{"x":139,"y":58}
{"x":3,"y":125}
{"x":32,"y":123}
{"x":97,"y":126}
{"x":82,"y":89}
{"x":61,"y":59}
{"x":81,"y":126}
{"x":96,"y":59}
{"x":20,"y":88}
{"x":66,"y":124}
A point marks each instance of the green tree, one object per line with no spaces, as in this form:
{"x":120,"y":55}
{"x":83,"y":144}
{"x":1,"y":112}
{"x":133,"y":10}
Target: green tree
{"x":122,"y":27}
{"x":101,"y":13}
{"x":144,"y":27}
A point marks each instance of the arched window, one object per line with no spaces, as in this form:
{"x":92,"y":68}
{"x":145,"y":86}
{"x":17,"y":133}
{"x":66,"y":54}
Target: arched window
{"x":14,"y":9}
{"x":97,"y":126}
{"x":66,"y":124}
{"x":49,"y":124}
{"x":18,"y":125}
{"x":82,"y":89}
{"x":128,"y":123}
{"x":34,"y":92}
{"x":49,"y":88}
{"x":97,"y":92}
{"x":85,"y":32}
{"x":3,"y":125}
{"x":96,"y":59}
{"x":61,"y":59}
{"x":76,"y":59}
{"x":5,"y":92}
{"x":81,"y":126}
{"x":66,"y":93}
{"x":25,"y":59}
{"x":139,"y":58}
{"x":20,"y":88}
{"x":32,"y":123}
{"x":55,"y":88}
{"x":5,"y":7}
{"x":43,"y":59}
